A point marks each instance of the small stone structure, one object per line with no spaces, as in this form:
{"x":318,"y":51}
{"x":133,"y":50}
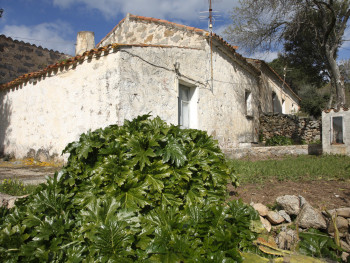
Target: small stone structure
{"x":336,"y":131}
{"x":291,"y":126}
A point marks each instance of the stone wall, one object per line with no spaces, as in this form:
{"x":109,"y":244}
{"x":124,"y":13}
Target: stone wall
{"x":18,"y":58}
{"x":272,"y":151}
{"x":142,"y":30}
{"x":301,"y":130}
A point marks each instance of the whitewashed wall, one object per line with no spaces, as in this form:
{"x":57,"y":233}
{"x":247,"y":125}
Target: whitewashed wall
{"x":268,"y":85}
{"x":327,"y":145}
{"x":55,"y":110}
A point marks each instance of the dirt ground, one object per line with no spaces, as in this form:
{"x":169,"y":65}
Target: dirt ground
{"x":320,"y":194}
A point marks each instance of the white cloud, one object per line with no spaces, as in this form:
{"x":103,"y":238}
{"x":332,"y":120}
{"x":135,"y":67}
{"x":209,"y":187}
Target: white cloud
{"x":48,"y":35}
{"x":186,"y":10}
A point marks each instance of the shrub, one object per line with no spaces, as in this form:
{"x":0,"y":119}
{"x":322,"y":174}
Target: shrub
{"x":142,"y":192}
{"x":279,"y":140}
{"x":15,"y":187}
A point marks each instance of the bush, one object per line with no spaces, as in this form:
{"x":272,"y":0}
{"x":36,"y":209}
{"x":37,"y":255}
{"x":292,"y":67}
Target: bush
{"x":15,"y":187}
{"x":279,"y":140}
{"x":142,"y":192}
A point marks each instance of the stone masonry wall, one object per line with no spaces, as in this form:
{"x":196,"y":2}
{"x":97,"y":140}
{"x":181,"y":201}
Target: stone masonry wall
{"x":133,"y":30}
{"x":291,"y":126}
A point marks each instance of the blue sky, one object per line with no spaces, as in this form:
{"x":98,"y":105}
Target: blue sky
{"x":54,"y":23}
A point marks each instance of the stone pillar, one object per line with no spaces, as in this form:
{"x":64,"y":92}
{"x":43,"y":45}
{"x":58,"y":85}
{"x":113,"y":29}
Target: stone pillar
{"x":85,"y":41}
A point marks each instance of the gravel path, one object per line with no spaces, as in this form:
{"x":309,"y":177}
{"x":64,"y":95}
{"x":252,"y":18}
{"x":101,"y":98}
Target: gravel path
{"x":29,"y":174}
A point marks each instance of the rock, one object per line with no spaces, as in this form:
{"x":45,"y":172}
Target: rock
{"x":344,"y":245}
{"x":262,"y":209}
{"x":309,"y":217}
{"x":8,"y":201}
{"x":343,"y":212}
{"x":342,"y":225}
{"x":302,"y":201}
{"x":286,"y":239}
{"x":289,"y":203}
{"x":285,"y":215}
{"x":266,"y":223}
{"x":274,"y":217}
{"x":344,"y":256}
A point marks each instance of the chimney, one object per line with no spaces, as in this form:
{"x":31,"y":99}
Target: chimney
{"x":85,"y":41}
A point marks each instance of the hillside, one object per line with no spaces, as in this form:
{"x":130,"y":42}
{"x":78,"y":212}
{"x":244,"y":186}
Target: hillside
{"x":18,"y":58}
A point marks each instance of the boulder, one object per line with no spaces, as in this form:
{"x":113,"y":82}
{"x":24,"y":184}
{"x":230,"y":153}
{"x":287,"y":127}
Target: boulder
{"x":265,"y":223}
{"x":285,"y":239}
{"x":274,"y":217}
{"x":289,"y":203}
{"x":342,"y":225}
{"x":343,"y":212}
{"x":344,"y":245}
{"x":262,"y":209}
{"x":310,"y":217}
{"x":285,"y":216}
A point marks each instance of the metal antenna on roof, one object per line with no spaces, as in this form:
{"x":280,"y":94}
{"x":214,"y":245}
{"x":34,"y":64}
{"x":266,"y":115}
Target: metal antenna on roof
{"x":211,"y":44}
{"x":211,"y":17}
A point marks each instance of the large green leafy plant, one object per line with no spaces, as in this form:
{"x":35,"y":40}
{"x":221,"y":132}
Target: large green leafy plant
{"x":144,"y":191}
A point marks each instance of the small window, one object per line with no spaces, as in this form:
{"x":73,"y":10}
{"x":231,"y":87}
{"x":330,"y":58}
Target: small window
{"x":184,"y":106}
{"x":274,"y":102}
{"x":283,"y":106}
{"x":337,"y":130}
{"x":248,"y":103}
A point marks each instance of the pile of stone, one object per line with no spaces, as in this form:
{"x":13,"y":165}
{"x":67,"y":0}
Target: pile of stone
{"x":295,"y":210}
{"x":302,"y":129}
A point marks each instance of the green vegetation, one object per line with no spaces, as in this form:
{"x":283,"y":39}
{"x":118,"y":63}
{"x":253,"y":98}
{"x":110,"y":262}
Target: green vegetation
{"x":306,"y":167}
{"x":318,"y":244}
{"x":16,"y":187}
{"x":142,"y":192}
{"x":279,"y":140}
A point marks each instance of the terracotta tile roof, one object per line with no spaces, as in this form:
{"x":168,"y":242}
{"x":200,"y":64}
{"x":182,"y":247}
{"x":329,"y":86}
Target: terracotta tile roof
{"x":75,"y":60}
{"x":258,"y":61}
{"x":336,"y":110}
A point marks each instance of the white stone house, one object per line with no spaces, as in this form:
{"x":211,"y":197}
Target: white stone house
{"x":274,"y":91}
{"x":143,"y":65}
{"x":336,"y":131}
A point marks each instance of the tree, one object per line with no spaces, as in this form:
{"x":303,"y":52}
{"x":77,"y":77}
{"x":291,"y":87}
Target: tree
{"x":297,"y":74}
{"x":305,"y":80}
{"x":344,"y":67}
{"x":266,"y":24}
